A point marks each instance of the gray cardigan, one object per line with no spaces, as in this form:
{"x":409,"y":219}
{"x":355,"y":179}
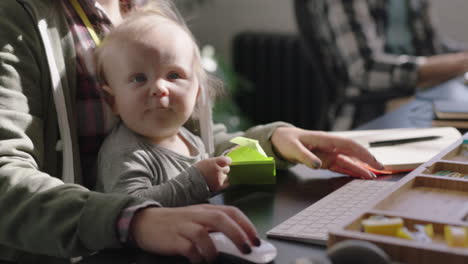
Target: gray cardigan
{"x":40,"y":214}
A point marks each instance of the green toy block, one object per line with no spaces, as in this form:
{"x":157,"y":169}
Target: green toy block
{"x":249,"y":166}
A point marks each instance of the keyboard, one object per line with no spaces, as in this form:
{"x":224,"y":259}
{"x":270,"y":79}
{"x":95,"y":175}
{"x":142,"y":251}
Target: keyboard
{"x":311,"y":225}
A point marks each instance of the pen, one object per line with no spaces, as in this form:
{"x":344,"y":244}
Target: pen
{"x":400,"y":141}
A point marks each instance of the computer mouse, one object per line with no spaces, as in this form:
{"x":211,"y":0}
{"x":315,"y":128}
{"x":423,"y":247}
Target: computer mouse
{"x":264,"y":253}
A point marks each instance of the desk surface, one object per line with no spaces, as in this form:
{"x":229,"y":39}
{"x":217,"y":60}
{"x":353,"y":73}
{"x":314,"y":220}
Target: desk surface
{"x":268,"y":206}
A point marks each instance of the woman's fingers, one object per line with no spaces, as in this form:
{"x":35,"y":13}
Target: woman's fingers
{"x":244,"y":223}
{"x":306,"y":157}
{"x":348,"y":147}
{"x":185,"y":230}
{"x":198,"y":236}
{"x":189,"y":250}
{"x":228,"y":220}
{"x":291,"y":143}
{"x":344,"y":164}
{"x":233,"y":223}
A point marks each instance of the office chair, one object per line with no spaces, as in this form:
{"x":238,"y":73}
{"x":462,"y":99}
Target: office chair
{"x":337,"y":79}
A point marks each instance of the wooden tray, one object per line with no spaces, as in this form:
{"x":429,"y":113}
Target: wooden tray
{"x":421,"y":197}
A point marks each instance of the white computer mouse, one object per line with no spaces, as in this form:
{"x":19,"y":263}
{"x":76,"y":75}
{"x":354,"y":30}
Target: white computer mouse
{"x":265,"y":253}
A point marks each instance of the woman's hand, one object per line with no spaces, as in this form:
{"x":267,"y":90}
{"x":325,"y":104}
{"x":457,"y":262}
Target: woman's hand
{"x":184,"y":230}
{"x":317,"y":149}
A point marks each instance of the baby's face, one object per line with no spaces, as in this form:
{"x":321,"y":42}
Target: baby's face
{"x":153,"y":81}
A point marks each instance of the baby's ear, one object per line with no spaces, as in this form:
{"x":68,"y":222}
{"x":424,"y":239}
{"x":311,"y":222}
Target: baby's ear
{"x":108,"y":89}
{"x":109,"y":98}
{"x":196,"y":109}
{"x":199,"y":90}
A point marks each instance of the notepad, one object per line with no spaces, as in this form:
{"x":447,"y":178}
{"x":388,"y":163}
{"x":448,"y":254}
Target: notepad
{"x":450,"y":113}
{"x":404,"y":157}
{"x":447,"y":109}
{"x":458,"y":123}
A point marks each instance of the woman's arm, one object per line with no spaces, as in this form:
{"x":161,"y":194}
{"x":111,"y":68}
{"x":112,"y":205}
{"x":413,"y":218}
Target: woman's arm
{"x":40,"y":214}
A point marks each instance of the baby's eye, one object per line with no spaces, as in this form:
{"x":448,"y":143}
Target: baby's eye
{"x":139,"y":78}
{"x":173,"y":76}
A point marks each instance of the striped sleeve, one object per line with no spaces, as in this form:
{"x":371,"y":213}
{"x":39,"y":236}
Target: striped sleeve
{"x":125,"y":219}
{"x":363,"y":50}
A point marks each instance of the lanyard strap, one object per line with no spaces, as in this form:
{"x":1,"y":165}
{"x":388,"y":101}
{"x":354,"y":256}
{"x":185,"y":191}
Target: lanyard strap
{"x":86,"y":21}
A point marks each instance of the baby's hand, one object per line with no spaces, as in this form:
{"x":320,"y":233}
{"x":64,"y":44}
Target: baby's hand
{"x":215,"y":171}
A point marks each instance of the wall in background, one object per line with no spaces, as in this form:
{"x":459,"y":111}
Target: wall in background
{"x":450,"y":16}
{"x":219,"y":20}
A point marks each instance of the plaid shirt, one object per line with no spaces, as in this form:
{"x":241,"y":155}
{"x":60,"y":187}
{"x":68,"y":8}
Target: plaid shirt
{"x":95,"y":119}
{"x":351,"y":39}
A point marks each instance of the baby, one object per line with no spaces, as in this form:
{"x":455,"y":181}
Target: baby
{"x":151,"y":72}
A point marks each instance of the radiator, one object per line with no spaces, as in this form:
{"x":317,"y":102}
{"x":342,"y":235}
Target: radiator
{"x":283,"y":84}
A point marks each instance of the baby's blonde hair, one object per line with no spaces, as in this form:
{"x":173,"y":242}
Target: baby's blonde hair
{"x":139,"y":22}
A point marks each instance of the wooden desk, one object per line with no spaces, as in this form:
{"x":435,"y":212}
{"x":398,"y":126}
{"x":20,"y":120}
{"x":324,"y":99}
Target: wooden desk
{"x":268,"y":206}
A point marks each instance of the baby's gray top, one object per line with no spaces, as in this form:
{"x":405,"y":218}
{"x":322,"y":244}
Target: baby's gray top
{"x":129,"y":163}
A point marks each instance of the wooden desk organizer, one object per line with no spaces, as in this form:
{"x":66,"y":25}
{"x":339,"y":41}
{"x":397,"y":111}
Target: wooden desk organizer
{"x":421,"y":197}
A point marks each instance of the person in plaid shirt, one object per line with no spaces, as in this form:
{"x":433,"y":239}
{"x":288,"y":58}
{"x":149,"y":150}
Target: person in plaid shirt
{"x":52,"y":122}
{"x":364,"y":39}
{"x":378,"y":45}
